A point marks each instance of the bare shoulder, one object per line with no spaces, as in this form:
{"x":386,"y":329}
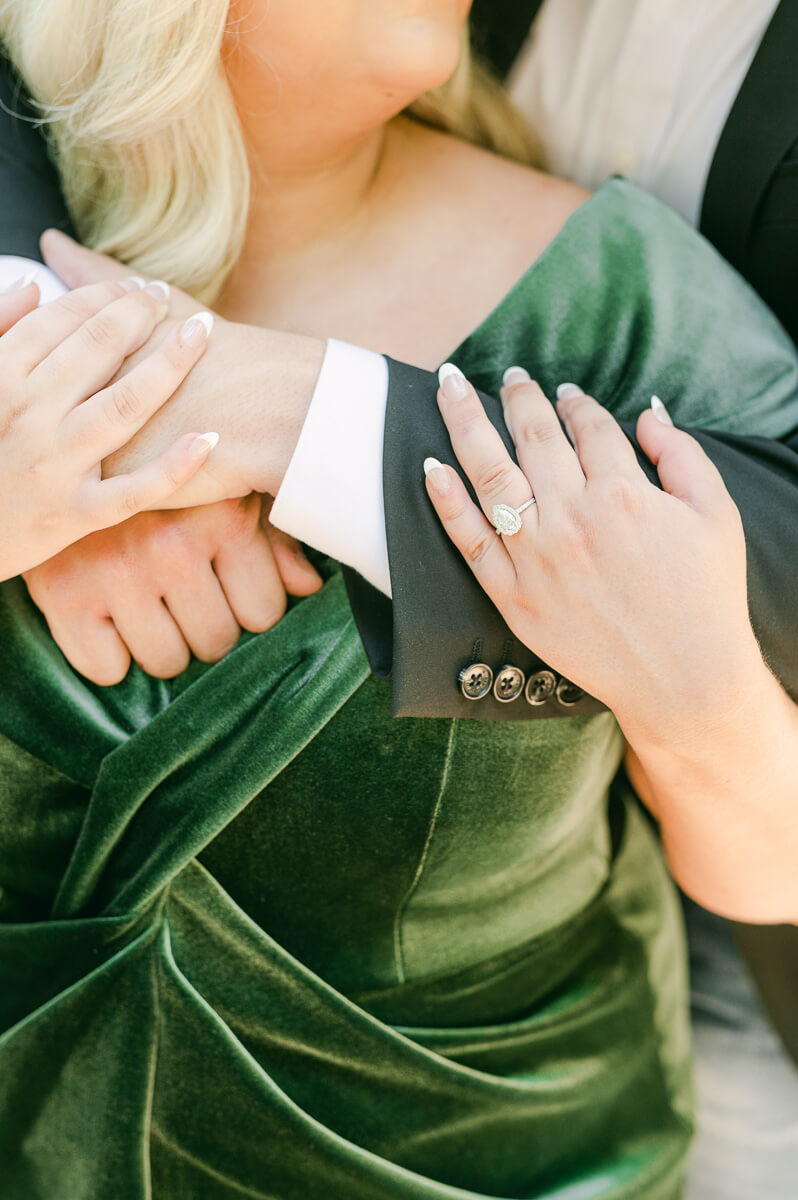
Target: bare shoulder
{"x":516,"y":207}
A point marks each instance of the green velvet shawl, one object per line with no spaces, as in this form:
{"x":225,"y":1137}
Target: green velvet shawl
{"x":258,"y":939}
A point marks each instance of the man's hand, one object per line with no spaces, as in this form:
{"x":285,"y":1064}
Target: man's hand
{"x":253,"y":385}
{"x":163,"y":586}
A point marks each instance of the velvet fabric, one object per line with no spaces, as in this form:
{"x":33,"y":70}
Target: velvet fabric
{"x":259,"y":939}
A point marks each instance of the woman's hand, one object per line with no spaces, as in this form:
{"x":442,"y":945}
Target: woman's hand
{"x":636,"y":594}
{"x":165,"y":585}
{"x":61,"y":414}
{"x":639,"y":596}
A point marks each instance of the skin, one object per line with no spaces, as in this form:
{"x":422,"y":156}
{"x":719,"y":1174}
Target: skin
{"x":62,"y":412}
{"x":676,"y":660}
{"x":365,"y":211}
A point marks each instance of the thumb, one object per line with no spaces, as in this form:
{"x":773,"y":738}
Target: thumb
{"x":685,"y":471}
{"x":76,"y":266}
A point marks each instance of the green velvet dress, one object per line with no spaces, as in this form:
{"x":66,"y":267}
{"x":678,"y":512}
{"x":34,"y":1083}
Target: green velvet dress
{"x":259,"y":940}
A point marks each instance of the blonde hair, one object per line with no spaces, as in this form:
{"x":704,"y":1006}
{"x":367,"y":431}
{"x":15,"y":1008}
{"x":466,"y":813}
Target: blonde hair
{"x":146,"y":137}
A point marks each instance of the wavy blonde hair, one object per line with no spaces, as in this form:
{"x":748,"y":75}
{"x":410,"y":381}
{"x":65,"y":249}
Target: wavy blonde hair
{"x":146,"y":137}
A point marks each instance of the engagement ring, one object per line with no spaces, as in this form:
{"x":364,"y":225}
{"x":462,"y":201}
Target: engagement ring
{"x":508,"y":520}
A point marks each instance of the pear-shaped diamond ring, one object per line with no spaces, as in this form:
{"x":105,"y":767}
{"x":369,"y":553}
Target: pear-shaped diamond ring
{"x":508,"y":520}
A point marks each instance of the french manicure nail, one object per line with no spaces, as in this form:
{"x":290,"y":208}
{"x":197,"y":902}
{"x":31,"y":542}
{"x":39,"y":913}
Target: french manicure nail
{"x":438,"y":477}
{"x":159,"y":289}
{"x":567,"y":390}
{"x":452,"y":382}
{"x":515,"y":375}
{"x":20,"y":284}
{"x":133,"y":283}
{"x":660,"y":411}
{"x":202,"y":445}
{"x":196,"y":329}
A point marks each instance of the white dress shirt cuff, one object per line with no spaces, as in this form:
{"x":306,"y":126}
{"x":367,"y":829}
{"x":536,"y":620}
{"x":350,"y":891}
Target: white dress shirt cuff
{"x":13,"y":268}
{"x":331,"y":497}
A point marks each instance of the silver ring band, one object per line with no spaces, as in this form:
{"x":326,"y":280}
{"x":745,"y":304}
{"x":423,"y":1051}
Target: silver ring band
{"x":508,"y":520}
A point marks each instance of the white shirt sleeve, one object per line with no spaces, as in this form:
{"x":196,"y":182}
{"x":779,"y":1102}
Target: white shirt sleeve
{"x":13,"y":268}
{"x":331,"y":497}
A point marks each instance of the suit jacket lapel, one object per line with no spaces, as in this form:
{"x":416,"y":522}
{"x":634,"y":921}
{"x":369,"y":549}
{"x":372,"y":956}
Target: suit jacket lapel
{"x":499,"y":29}
{"x":761,"y":127}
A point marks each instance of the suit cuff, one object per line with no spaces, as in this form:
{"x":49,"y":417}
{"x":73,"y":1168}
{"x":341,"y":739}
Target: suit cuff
{"x":12,"y":268}
{"x":331,"y":497}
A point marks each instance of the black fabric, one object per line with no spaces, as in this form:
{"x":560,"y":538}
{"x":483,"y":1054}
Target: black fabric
{"x":30,"y":194}
{"x":750,"y":207}
{"x":499,"y":29}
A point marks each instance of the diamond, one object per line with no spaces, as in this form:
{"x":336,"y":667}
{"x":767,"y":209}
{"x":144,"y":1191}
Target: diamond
{"x":506,"y":519}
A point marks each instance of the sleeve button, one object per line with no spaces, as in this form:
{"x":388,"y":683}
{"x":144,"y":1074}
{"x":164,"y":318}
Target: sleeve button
{"x":568,"y":694}
{"x":540,"y":687}
{"x":509,"y":684}
{"x":476,"y":681}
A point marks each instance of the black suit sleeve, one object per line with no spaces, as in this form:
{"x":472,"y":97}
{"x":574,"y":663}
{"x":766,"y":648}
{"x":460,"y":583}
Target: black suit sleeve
{"x":29,"y":187}
{"x":441,"y":621}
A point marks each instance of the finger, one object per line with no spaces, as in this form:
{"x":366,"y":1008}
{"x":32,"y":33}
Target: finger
{"x":76,"y":266}
{"x":89,"y":357}
{"x":43,"y":329}
{"x":600,"y":444}
{"x":91,"y":644}
{"x":110,"y":418}
{"x":108,"y":501}
{"x":151,"y":634}
{"x":203,"y":614}
{"x":544,"y":453}
{"x":486,"y":554}
{"x":480,"y":450}
{"x":16,"y":302}
{"x":251,"y":582}
{"x":685,"y":471}
{"x":299,"y":576}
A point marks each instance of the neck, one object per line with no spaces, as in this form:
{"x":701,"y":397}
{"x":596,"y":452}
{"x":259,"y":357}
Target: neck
{"x":300,"y":204}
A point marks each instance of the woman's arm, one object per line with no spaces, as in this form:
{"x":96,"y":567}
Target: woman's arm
{"x":639,"y":596}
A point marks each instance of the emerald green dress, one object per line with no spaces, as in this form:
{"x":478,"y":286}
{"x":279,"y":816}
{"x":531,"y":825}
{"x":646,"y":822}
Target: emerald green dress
{"x":260,"y":940}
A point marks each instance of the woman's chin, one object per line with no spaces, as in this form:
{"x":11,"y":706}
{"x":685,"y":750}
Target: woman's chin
{"x":422,"y":56}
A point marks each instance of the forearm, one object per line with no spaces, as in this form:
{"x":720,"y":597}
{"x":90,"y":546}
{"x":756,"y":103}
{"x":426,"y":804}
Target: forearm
{"x":725,"y":792}
{"x":254,"y":388}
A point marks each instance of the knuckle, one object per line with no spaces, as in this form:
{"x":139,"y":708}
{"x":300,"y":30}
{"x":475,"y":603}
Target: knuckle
{"x":621,"y":494}
{"x":240,"y":520}
{"x":168,"y":664}
{"x":271,"y":613}
{"x":101,"y":332}
{"x":494,"y":479}
{"x":535,"y":431}
{"x":478,"y":548}
{"x":125,"y":404}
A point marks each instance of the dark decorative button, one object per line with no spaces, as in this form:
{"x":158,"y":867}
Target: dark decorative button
{"x":509,"y":684}
{"x":476,"y":681}
{"x":568,"y":694}
{"x":540,"y":687}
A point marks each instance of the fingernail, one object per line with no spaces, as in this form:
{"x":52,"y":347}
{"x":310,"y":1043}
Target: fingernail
{"x":660,"y":411}
{"x":567,"y":390}
{"x":438,"y":477}
{"x":20,"y":284}
{"x":452,"y":382}
{"x":158,"y":289}
{"x":202,"y":445}
{"x":515,"y":375}
{"x":133,"y":283}
{"x":197,"y":329}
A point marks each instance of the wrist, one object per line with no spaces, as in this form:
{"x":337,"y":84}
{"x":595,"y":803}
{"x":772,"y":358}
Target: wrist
{"x":746,"y":715}
{"x":283,"y":394}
